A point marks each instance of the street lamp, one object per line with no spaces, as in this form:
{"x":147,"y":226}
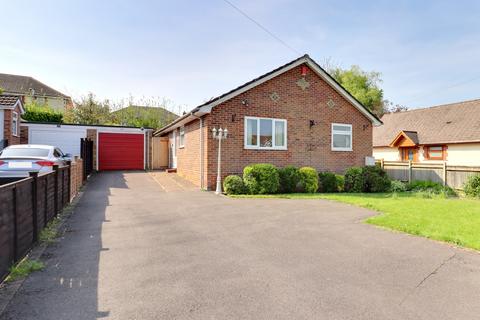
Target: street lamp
{"x":219,"y":134}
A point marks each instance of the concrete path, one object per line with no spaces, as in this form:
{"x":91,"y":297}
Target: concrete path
{"x":136,"y":250}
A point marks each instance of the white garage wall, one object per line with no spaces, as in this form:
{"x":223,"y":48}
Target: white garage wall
{"x":67,"y":138}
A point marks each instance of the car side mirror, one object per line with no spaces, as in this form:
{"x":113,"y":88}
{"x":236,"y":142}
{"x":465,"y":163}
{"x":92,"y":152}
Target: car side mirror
{"x":67,"y":155}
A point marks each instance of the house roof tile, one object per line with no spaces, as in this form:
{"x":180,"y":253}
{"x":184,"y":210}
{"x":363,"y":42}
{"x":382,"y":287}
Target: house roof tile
{"x":22,"y":85}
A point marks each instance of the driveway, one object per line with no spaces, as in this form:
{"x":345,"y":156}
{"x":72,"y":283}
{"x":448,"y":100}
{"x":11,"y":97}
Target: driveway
{"x":142,"y":246}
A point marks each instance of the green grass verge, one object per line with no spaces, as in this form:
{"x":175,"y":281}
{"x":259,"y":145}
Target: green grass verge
{"x":23,"y":269}
{"x":454,"y":220}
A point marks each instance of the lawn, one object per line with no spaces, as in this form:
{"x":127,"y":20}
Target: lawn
{"x":453,"y":220}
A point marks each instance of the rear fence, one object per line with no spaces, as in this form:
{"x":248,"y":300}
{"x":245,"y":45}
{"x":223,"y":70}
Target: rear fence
{"x":448,"y":175}
{"x":27,"y":205}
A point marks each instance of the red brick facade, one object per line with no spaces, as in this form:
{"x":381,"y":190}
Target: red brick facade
{"x":306,"y":145}
{"x":7,"y":126}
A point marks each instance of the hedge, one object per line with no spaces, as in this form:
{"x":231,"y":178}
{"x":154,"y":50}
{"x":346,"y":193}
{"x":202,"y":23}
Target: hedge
{"x":261,"y":178}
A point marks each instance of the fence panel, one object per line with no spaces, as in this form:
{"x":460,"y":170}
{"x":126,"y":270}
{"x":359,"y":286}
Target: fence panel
{"x":26,"y":206}
{"x":455,"y":176}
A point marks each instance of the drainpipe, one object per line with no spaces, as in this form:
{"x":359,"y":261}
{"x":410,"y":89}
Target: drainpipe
{"x":202,"y":180}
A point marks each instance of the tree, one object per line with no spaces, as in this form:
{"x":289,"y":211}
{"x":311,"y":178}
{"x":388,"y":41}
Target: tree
{"x":41,"y":113}
{"x":1,"y":90}
{"x":89,"y":111}
{"x":364,"y":86}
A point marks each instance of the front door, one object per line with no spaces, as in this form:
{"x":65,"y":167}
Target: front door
{"x":173,"y":150}
{"x":409,"y":154}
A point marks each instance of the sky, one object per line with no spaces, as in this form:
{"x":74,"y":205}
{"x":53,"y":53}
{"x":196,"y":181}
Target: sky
{"x":428,"y":52}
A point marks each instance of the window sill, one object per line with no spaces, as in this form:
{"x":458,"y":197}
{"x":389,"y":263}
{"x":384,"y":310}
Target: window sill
{"x":342,"y":149}
{"x":181,"y":147}
{"x":265,"y":149}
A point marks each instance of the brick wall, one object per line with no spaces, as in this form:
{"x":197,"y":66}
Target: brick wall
{"x":23,"y":135}
{"x":92,"y":135}
{"x":76,"y":176}
{"x":306,"y":146}
{"x":7,"y":128}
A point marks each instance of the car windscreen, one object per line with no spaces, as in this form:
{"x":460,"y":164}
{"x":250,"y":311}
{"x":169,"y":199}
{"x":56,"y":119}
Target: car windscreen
{"x":24,"y":152}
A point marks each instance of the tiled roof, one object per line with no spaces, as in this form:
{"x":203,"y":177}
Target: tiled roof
{"x":22,"y":85}
{"x":449,"y":123}
{"x":8,"y":100}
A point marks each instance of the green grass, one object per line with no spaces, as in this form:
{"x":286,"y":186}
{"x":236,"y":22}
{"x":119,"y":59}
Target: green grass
{"x":454,"y":220}
{"x":23,"y":269}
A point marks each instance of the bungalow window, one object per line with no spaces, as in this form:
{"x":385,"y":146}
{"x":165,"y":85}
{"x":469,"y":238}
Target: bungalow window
{"x":435,"y":153}
{"x":265,"y":133}
{"x":15,"y":123}
{"x":181,"y":142}
{"x":341,"y":137}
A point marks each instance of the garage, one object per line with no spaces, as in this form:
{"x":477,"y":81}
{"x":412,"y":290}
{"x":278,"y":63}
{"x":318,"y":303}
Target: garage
{"x":67,"y":138}
{"x":121,"y":151}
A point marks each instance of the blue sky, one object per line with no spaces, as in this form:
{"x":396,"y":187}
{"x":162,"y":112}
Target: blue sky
{"x":189,"y":51}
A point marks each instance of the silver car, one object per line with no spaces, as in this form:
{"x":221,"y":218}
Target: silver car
{"x":17,"y":161}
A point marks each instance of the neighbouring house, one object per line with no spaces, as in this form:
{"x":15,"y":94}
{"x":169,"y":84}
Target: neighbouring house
{"x":296,"y":115}
{"x":11,"y":109}
{"x":30,"y":89}
{"x":448,"y":133}
{"x":152,"y":117}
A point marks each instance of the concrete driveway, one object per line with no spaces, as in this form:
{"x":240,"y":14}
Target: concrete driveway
{"x":144,"y":247}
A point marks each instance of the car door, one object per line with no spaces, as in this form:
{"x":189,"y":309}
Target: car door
{"x":59,"y":157}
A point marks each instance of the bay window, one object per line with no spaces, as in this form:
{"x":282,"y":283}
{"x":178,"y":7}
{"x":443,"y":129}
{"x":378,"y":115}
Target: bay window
{"x":341,"y":137}
{"x":265,"y":133}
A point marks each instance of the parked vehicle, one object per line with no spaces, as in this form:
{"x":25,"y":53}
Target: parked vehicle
{"x":17,"y":161}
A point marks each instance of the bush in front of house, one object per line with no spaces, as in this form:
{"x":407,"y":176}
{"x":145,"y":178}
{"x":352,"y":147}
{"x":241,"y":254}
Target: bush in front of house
{"x":327,"y":182}
{"x":289,"y":179}
{"x":233,"y":185}
{"x":340,"y":182}
{"x":261,"y":178}
{"x":376,"y":179}
{"x":354,"y":180}
{"x":366,"y":179}
{"x":308,"y":179}
{"x":430,"y":187}
{"x":398,"y":186}
{"x":472,"y":186}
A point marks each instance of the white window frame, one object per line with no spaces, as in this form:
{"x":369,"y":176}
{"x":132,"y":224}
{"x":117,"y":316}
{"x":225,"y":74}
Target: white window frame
{"x":15,"y":123}
{"x":257,"y":147}
{"x":181,"y":137}
{"x":346,"y":133}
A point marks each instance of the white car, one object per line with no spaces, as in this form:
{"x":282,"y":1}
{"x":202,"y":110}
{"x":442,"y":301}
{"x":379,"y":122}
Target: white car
{"x":17,"y":161}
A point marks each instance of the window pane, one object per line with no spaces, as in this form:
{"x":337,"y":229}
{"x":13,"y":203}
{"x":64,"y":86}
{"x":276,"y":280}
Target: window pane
{"x":24,"y":152}
{"x":252,"y":132}
{"x":341,"y":141}
{"x":341,"y":128}
{"x":279,"y":133}
{"x":435,"y":148}
{"x":265,"y":133}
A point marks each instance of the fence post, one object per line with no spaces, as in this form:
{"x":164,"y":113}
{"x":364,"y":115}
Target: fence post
{"x":15,"y":229}
{"x":69,"y":184}
{"x":445,"y":173}
{"x":382,"y":164}
{"x":45,"y":212}
{"x":55,"y":194}
{"x":34,"y":175}
{"x":409,"y":171}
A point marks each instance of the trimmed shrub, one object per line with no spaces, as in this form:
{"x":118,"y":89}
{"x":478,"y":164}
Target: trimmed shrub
{"x":261,"y":178}
{"x":376,"y":179}
{"x":233,"y":185}
{"x":308,"y":179}
{"x":398,"y":186}
{"x":472,"y":186}
{"x":327,"y":182}
{"x":340,"y":182}
{"x":38,"y":113}
{"x":430,"y":187}
{"x":289,"y":179}
{"x":354,"y":180}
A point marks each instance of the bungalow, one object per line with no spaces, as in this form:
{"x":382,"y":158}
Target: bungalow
{"x":11,"y":108}
{"x":296,"y":115}
{"x":30,"y":89}
{"x":448,"y":133}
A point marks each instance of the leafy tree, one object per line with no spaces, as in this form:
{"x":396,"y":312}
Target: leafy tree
{"x":364,"y":86}
{"x":143,"y":116}
{"x":1,"y":90}
{"x":89,"y":111}
{"x":41,"y":113}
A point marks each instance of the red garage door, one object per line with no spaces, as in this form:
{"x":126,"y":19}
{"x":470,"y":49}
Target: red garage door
{"x":120,"y":151}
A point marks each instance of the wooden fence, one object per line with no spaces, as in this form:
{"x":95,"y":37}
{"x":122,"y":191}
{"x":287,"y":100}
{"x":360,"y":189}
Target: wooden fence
{"x":27,"y":205}
{"x":159,"y":152}
{"x":452,"y":176}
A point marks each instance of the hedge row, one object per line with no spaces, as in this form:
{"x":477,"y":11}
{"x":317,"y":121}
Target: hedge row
{"x":265,"y":178}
